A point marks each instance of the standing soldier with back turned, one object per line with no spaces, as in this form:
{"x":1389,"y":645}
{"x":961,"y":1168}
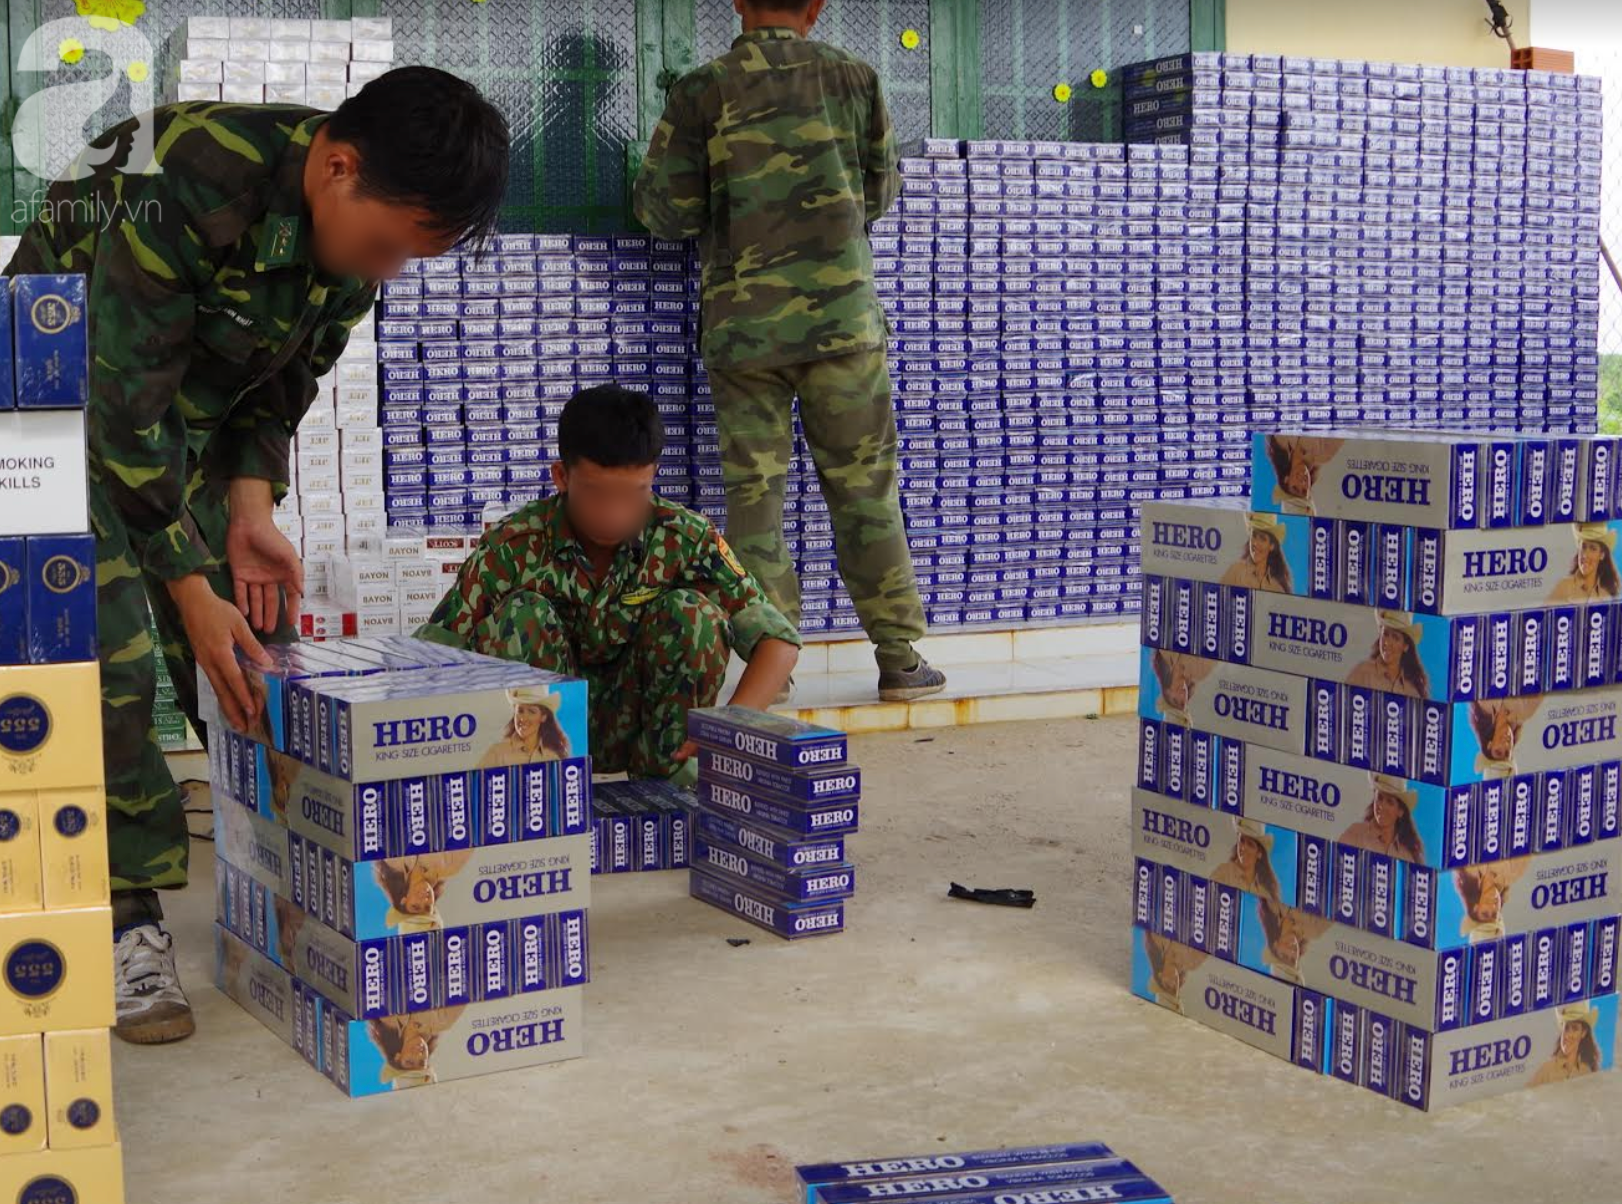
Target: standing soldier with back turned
{"x":776,"y":157}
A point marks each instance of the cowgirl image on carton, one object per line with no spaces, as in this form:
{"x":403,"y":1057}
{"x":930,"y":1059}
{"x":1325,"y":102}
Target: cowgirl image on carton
{"x":1295,"y":461}
{"x":1250,"y":866}
{"x":1498,"y":726}
{"x":1178,"y":676}
{"x":532,"y":734}
{"x":1576,"y":1050}
{"x":1161,"y":968}
{"x":1261,"y":566}
{"x":1287,"y":933}
{"x":1394,"y":665}
{"x":414,"y":886}
{"x":1387,"y":825}
{"x":1593,"y":575}
{"x":408,"y":1045}
{"x":1484,"y":891}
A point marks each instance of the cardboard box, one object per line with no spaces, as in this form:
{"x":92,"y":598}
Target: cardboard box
{"x":1257,"y":706}
{"x":881,"y":1170}
{"x":81,"y":1176}
{"x":767,"y":911}
{"x":23,"y":1122}
{"x":73,"y":847}
{"x":21,"y":888}
{"x":425,"y":893}
{"x":1251,"y":1007}
{"x":1239,"y":853}
{"x":395,"y":1053}
{"x":734,"y":863}
{"x":13,"y":599}
{"x":1104,"y":1179}
{"x":1229,"y":544}
{"x":55,"y":972}
{"x":79,"y":1089}
{"x":42,"y":474}
{"x":61,"y":598}
{"x":50,"y":727}
{"x":1486,"y":902}
{"x":1479,"y":572}
{"x":807,"y":786}
{"x":776,"y":739}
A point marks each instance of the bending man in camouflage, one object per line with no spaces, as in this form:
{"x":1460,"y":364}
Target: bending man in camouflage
{"x":608,"y":582}
{"x":241,"y":260}
{"x":776,"y":157}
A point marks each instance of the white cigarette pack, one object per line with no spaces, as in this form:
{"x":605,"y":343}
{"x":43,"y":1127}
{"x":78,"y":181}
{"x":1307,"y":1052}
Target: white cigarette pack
{"x":296,"y":30}
{"x":256,"y":28}
{"x":326,"y":73}
{"x":285,"y":74}
{"x":329,"y":52}
{"x":249,"y":48}
{"x":212,"y":50}
{"x":201,"y":71}
{"x":197,"y":92}
{"x":289,"y":52}
{"x":362,"y":74}
{"x":373,"y":52}
{"x":237,"y":71}
{"x":243,"y":94}
{"x":284,"y":94}
{"x":208,"y":28}
{"x":327,"y":96}
{"x":330,"y":31}
{"x":372,"y":29}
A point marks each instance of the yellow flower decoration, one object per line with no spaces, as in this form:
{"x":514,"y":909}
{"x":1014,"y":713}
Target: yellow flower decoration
{"x":1099,"y":78}
{"x":71,"y":50}
{"x":110,"y":14}
{"x":911,"y":39}
{"x":1062,"y":93}
{"x":138,"y":72}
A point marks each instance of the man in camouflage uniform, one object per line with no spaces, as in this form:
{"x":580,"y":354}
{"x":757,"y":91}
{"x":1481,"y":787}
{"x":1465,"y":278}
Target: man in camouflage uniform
{"x":221,"y":285}
{"x":605,"y":581}
{"x":776,"y":157}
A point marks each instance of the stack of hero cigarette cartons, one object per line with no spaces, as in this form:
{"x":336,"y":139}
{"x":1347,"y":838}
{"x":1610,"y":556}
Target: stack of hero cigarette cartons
{"x":260,"y":60}
{"x":1418,"y":242}
{"x":776,"y":799}
{"x":640,"y":826}
{"x":1379,"y":791}
{"x":57,"y":1130}
{"x":403,"y":861}
{"x":1056,"y":1174}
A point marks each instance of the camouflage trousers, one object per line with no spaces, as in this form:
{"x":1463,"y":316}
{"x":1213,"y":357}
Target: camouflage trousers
{"x":147,"y":842}
{"x":850,"y":427}
{"x":639,"y":702}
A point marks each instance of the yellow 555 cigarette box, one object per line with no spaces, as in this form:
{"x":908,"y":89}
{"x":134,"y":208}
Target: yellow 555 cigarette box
{"x":50,"y":727}
{"x":55,"y":971}
{"x":20,"y":885}
{"x":73,"y":847}
{"x":64,"y":1177}
{"x":22,"y":1095}
{"x":79,"y":1089}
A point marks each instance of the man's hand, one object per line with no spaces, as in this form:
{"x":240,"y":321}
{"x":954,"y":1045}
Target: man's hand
{"x":215,"y":630}
{"x":263,"y":563}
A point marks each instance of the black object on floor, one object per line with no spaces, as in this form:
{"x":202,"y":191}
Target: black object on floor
{"x":997,"y":898}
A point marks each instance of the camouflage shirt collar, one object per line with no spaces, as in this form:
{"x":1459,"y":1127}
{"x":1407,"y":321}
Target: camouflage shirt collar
{"x":284,"y":238}
{"x":771,"y":33}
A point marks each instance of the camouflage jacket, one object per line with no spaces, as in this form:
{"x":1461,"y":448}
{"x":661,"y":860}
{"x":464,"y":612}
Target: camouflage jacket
{"x":776,"y":157}
{"x":535,"y":550}
{"x":208,"y":321}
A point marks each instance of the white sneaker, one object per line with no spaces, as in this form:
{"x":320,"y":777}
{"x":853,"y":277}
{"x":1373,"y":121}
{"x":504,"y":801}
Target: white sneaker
{"x":152,"y":1009}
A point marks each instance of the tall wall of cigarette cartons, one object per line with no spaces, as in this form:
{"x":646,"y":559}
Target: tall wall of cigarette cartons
{"x":58,"y":1136}
{"x":1380,"y":775}
{"x":403,"y":859}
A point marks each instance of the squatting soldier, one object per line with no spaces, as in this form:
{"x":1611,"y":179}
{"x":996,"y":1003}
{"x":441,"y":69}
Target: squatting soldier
{"x":608,"y":582}
{"x":224,"y":283}
{"x":776,"y":157}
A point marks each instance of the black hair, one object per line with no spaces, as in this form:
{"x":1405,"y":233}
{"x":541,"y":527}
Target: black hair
{"x":612,"y":427}
{"x":430,"y":141}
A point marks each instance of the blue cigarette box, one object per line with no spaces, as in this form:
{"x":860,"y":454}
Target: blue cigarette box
{"x":13,"y":601}
{"x":7,"y":384}
{"x":52,"y":344}
{"x":61,"y":599}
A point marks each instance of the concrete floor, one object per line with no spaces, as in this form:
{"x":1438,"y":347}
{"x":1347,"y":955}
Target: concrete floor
{"x":932,"y":1025}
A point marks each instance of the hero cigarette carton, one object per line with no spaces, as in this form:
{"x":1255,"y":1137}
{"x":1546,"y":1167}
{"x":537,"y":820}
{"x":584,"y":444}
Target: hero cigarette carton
{"x":805,"y":786}
{"x":426,"y":893}
{"x":1105,"y":1179}
{"x":817,"y":885}
{"x":791,"y":922}
{"x":781,"y":846}
{"x":752,"y":806}
{"x":1234,"y":701}
{"x":881,"y":1170}
{"x":1479,"y":572}
{"x":1486,"y":902}
{"x":1439,"y":481}
{"x":1228,"y":851}
{"x":766,"y":737}
{"x":1250,"y":1007}
{"x":1226,"y":543}
{"x":394,"y":1053}
{"x":413,"y":972}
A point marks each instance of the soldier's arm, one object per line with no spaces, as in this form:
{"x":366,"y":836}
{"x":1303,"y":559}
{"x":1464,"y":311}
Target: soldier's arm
{"x":142,"y":313}
{"x":881,"y":159}
{"x":713,"y":570}
{"x":262,"y":429}
{"x":486,"y":579}
{"x":671,"y":196}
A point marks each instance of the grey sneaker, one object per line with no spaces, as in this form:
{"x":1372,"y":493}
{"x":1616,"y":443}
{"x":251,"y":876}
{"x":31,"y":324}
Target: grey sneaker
{"x":152,"y":1009}
{"x":905,"y":685}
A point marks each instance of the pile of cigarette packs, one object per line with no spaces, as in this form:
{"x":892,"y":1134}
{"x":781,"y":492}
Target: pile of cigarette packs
{"x":1380,"y":773}
{"x":776,"y":800}
{"x":260,"y":60}
{"x":58,"y":1134}
{"x":640,"y":826}
{"x":403,"y":861}
{"x":1056,"y":1174}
